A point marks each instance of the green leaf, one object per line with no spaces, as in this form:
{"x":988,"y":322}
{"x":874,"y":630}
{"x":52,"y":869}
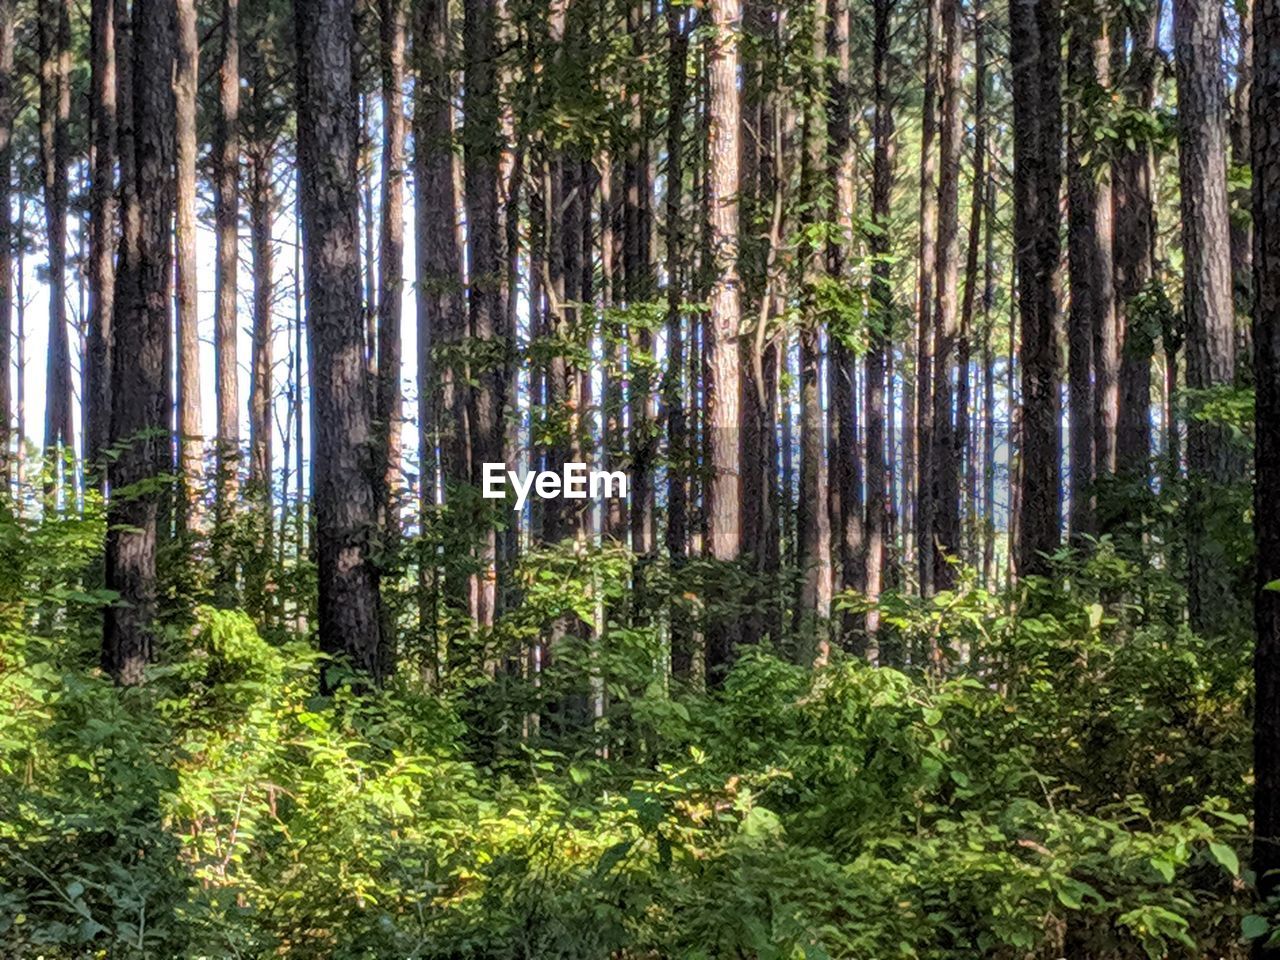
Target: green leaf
{"x":1253,"y":926}
{"x":1225,"y":857}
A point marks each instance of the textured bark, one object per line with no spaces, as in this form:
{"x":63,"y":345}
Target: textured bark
{"x":812,"y":515}
{"x":391,"y":257}
{"x":1208,"y":314}
{"x":486,"y":258}
{"x":1241,"y":214}
{"x":1091,"y":335}
{"x":139,"y":415}
{"x":262,"y":203}
{"x":1265,"y":146}
{"x":922,"y":433}
{"x":55,"y":154}
{"x":345,"y":485}
{"x":723,"y":358}
{"x":1035,"y":49}
{"x":102,"y":214}
{"x":964,"y":347}
{"x":637,"y":269}
{"x":185,"y":79}
{"x":673,"y":386}
{"x":945,"y":460}
{"x":846,"y":455}
{"x":226,"y":211}
{"x":441,"y":310}
{"x":1133,"y":211}
{"x":882,"y":176}
{"x":8,"y":24}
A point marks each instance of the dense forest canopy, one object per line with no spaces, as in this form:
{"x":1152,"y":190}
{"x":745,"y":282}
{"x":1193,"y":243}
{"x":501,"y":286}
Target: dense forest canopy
{"x":937,"y":342}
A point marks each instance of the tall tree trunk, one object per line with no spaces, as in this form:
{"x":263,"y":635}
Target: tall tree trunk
{"x":882,"y":176}
{"x":1133,"y":211}
{"x":977,"y":207}
{"x":55,"y":155}
{"x":1091,"y":320}
{"x":1241,"y":215}
{"x":812,"y":516}
{"x":226,"y":211}
{"x":673,"y":386}
{"x":843,"y":366}
{"x":8,"y":25}
{"x":142,"y":327}
{"x":391,"y":256}
{"x":1207,"y":305}
{"x":482,"y":158}
{"x":946,"y":459}
{"x":345,"y":485}
{"x":1265,"y":146}
{"x":723,"y":357}
{"x":638,"y":279}
{"x":923,"y":508}
{"x":262,"y":202}
{"x":102,"y":213}
{"x":1035,"y":49}
{"x":442,"y":316}
{"x":185,"y":79}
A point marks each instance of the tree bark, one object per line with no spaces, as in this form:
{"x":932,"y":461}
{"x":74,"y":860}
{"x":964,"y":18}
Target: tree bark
{"x":882,"y":177}
{"x":1265,"y":152}
{"x":102,"y":214}
{"x":945,"y":460}
{"x":1208,"y":313}
{"x":262,"y":202}
{"x":843,"y":366}
{"x":1035,"y":50}
{"x":486,"y":259}
{"x":55,"y":155}
{"x":139,"y":414}
{"x":345,"y":485}
{"x":226,"y":206}
{"x":441,"y":310}
{"x":923,"y":508}
{"x":185,"y":80}
{"x":723,"y":358}
{"x":391,"y":258}
{"x":8,"y":26}
{"x":1133,"y":213}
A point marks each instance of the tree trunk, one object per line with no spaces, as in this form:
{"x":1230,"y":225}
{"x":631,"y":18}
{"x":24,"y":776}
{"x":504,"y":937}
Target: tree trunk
{"x":977,"y":207}
{"x":1241,"y":216}
{"x":102,"y":214}
{"x":441,"y":317}
{"x":1035,"y":50}
{"x":843,"y":366}
{"x":1265,"y":146}
{"x":142,"y":303}
{"x":882,"y":176}
{"x":8,"y":26}
{"x":262,"y":203}
{"x":723,"y":358}
{"x":391,"y":258}
{"x":486,"y":259}
{"x":1134,"y":249}
{"x":812,"y":516}
{"x":946,"y":458}
{"x":55,"y":155}
{"x":1091,"y":321}
{"x":345,"y":485}
{"x":1208,"y":313}
{"x":185,"y":80}
{"x":673,"y":386}
{"x":226,"y":212}
{"x":923,"y":508}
